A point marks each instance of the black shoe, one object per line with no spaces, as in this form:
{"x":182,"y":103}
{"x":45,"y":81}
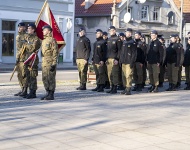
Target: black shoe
{"x":47,"y":93}
{"x":114,"y":91}
{"x":178,"y":85}
{"x":174,"y":87}
{"x":187,"y":87}
{"x":139,"y":88}
{"x":78,"y":88}
{"x":120,"y":87}
{"x":128,"y":91}
{"x":135,"y":87}
{"x":97,"y":87}
{"x":50,"y":96}
{"x":123,"y":92}
{"x":32,"y":94}
{"x":83,"y":87}
{"x":17,"y":94}
{"x":155,"y":90}
{"x":107,"y":85}
{"x":101,"y":88}
{"x":151,"y":89}
{"x":110,"y":89}
{"x":24,"y":93}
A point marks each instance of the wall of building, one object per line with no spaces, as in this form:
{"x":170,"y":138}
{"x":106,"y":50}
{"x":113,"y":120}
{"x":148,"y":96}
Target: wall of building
{"x":28,"y":11}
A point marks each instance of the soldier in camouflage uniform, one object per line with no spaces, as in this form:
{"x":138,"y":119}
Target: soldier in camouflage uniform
{"x":49,"y":61}
{"x":32,"y":45}
{"x":20,"y":40}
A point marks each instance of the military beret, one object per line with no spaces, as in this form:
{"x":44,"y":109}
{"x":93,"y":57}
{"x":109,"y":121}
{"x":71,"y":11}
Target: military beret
{"x":99,"y":30}
{"x":112,"y":27}
{"x":138,"y":32}
{"x":81,"y":29}
{"x":121,"y":34}
{"x":47,"y":27}
{"x":128,"y":29}
{"x":32,"y":25}
{"x":161,"y":38}
{"x":105,"y":33}
{"x":154,"y":32}
{"x":21,"y":24}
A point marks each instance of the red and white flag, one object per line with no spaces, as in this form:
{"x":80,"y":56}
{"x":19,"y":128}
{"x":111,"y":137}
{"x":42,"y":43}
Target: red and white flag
{"x":46,"y":18}
{"x":31,"y":59}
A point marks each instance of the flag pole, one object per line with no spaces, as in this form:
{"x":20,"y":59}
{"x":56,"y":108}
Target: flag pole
{"x":37,"y":21}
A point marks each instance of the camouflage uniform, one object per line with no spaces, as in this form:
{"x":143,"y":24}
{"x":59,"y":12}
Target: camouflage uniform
{"x":20,"y":40}
{"x":32,"y":45}
{"x":49,"y":61}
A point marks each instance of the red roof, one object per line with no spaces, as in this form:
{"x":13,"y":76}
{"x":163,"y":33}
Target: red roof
{"x":99,"y":8}
{"x":186,"y":9}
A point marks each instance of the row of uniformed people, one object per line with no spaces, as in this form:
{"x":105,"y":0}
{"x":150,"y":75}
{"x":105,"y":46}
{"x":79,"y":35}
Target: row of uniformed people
{"x":123,"y":58}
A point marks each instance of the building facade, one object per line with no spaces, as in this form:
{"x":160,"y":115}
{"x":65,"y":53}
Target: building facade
{"x":14,"y":11}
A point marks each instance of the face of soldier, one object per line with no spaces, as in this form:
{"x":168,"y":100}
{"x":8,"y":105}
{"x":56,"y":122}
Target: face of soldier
{"x":153,"y":36}
{"x":98,"y":34}
{"x":137,"y":36}
{"x":173,"y":40}
{"x":105,"y":37}
{"x":21,"y":28}
{"x":122,"y":38}
{"x":128,"y":34}
{"x":112,"y":32}
{"x":45,"y":31}
{"x":81,"y":33}
{"x":30,"y":30}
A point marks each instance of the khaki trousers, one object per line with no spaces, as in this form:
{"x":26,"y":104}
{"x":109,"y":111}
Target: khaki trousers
{"x":154,"y":71}
{"x":127,"y":75}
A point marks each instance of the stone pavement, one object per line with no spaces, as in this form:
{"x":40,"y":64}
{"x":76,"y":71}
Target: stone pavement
{"x":85,"y":120}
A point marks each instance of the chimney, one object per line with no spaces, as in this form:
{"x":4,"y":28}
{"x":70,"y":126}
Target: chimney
{"x":89,"y":3}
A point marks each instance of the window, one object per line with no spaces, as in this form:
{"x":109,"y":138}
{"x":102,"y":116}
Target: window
{"x":156,"y":14}
{"x":61,"y":20}
{"x":8,"y":37}
{"x":144,"y":13}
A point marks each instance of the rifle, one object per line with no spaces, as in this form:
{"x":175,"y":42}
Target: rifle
{"x":14,"y":70}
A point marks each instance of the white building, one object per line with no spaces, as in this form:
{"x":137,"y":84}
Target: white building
{"x":14,"y":11}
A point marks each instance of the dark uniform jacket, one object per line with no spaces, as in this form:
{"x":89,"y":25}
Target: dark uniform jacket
{"x":182,"y":52}
{"x":187,"y":56}
{"x":173,"y":54}
{"x":100,"y":48}
{"x":163,"y":63}
{"x":128,"y":52}
{"x":114,"y":45}
{"x":141,"y":48}
{"x":83,"y":48}
{"x":155,"y":52}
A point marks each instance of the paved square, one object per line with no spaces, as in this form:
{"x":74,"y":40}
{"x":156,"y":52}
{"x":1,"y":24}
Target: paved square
{"x":85,"y":120}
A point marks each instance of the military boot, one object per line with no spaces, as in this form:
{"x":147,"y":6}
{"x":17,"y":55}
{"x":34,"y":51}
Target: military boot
{"x":97,"y":87}
{"x":101,"y":88}
{"x":110,"y":89}
{"x":178,"y":85}
{"x":174,"y":87}
{"x":47,"y":93}
{"x":139,"y":88}
{"x":123,"y":92}
{"x":135,"y":87}
{"x":128,"y":91}
{"x":187,"y":87}
{"x":17,"y":94}
{"x":170,"y":87}
{"x":107,"y":85}
{"x":160,"y":84}
{"x":155,"y":90}
{"x":83,"y":87}
{"x":151,"y":88}
{"x":120,"y":87}
{"x":50,"y":96}
{"x":24,"y":93}
{"x":32,"y":94}
{"x":78,"y":88}
{"x":114,"y":91}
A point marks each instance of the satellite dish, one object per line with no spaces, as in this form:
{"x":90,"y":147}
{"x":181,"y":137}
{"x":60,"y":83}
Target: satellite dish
{"x":142,"y":1}
{"x":170,"y":14}
{"x":127,"y":17}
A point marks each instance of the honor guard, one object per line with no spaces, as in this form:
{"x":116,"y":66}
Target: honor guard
{"x":83,"y":49}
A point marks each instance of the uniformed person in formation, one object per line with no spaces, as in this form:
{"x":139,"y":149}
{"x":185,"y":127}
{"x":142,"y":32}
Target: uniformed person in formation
{"x":98,"y":60}
{"x":107,"y":83}
{"x":127,"y":60}
{"x":20,"y":40}
{"x":186,"y":64}
{"x":83,"y":49}
{"x":154,"y":59}
{"x":32,"y":46}
{"x":49,"y":62}
{"x":140,"y":60}
{"x":113,"y":50}
{"x":162,"y":65}
{"x":173,"y":62}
